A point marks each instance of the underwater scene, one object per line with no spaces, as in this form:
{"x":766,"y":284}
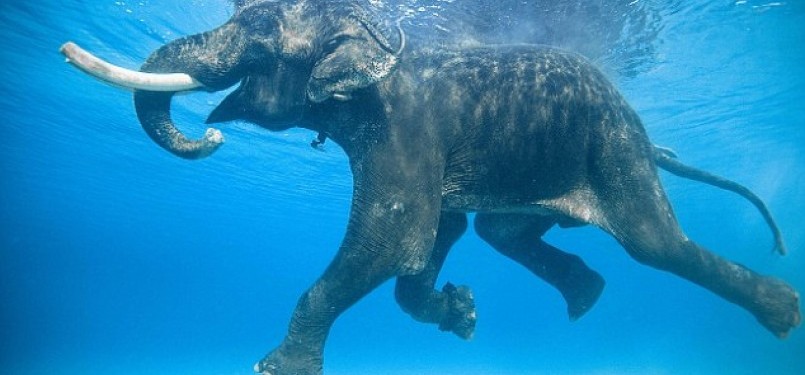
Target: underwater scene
{"x":620,"y":186}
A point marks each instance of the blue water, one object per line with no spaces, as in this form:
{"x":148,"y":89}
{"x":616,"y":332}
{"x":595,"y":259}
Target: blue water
{"x":118,"y":258}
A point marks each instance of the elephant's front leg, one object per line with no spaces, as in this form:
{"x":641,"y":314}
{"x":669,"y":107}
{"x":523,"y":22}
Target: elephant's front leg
{"x":391,"y":231}
{"x":453,"y":308}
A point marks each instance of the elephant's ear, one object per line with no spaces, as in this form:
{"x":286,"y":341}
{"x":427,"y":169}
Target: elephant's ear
{"x":354,"y":63}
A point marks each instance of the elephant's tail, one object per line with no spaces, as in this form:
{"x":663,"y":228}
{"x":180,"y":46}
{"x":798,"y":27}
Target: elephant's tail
{"x":666,"y":159}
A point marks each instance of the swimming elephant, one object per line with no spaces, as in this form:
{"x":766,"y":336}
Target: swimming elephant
{"x":526,"y":137}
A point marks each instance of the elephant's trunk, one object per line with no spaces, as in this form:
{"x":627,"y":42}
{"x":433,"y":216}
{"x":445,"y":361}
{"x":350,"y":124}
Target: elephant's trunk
{"x":153,"y":106}
{"x":211,"y":61}
{"x":214,"y":59}
{"x":153,"y":111}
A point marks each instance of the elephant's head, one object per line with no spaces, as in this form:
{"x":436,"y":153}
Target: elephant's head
{"x":287,"y":55}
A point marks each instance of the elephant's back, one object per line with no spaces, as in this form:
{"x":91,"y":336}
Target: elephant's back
{"x":520,"y":89}
{"x":524,"y":121}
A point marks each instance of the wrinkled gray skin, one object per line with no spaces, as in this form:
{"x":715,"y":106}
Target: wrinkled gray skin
{"x":527,"y":137}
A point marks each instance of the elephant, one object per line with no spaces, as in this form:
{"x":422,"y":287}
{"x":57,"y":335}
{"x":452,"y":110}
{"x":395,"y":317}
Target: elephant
{"x":524,"y":137}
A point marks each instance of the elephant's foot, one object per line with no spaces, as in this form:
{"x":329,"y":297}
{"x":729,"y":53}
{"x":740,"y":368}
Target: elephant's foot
{"x":581,"y":290}
{"x":777,"y":307}
{"x":460,"y":317}
{"x":280,"y":363}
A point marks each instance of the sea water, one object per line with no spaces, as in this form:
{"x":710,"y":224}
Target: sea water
{"x":119,"y":258}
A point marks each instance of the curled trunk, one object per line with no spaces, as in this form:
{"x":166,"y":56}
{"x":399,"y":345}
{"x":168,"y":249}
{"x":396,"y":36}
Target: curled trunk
{"x":213,"y":59}
{"x":153,"y":111}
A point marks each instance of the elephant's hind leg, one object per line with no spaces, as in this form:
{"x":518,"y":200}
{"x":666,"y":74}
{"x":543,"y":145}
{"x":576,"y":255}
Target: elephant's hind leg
{"x":518,"y":236}
{"x":453,"y":309}
{"x":638,"y":214}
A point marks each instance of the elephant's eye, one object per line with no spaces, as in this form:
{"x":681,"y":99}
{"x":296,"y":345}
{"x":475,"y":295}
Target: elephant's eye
{"x":334,"y":42}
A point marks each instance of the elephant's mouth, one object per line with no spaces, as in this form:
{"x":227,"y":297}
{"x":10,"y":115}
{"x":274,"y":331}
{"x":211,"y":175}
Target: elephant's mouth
{"x":271,"y":101}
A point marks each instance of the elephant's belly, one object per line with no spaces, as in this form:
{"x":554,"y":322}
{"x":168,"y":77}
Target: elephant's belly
{"x":480,"y":203}
{"x":508,"y":187}
{"x":500,"y":177}
{"x":576,"y":204}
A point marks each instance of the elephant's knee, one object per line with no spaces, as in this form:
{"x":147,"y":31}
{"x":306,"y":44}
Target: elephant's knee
{"x":415,"y":263}
{"x":663,"y":254}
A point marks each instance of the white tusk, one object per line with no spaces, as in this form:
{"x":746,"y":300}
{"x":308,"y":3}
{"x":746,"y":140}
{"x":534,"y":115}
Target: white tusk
{"x":92,"y":65}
